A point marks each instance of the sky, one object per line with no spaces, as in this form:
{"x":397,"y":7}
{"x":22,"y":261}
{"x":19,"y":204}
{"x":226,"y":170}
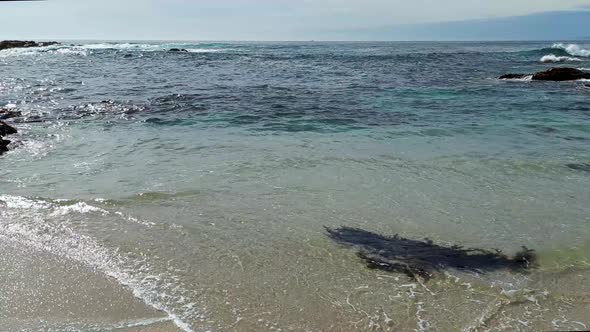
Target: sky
{"x":295,"y":19}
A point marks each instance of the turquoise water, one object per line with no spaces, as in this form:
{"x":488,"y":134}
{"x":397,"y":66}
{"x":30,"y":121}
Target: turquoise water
{"x":203,"y":180}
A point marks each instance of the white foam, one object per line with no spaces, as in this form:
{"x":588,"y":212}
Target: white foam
{"x":526,"y":78}
{"x":120,"y":46}
{"x":572,"y":49}
{"x":79,"y":207}
{"x":35,"y":148}
{"x":33,"y":51}
{"x":70,"y":51}
{"x":25,"y":221}
{"x":84,"y":50}
{"x":19,"y":52}
{"x":203,"y":50}
{"x":23,"y":203}
{"x":141,"y":323}
{"x":553,"y":58}
{"x":135,"y":220}
{"x":17,"y":202}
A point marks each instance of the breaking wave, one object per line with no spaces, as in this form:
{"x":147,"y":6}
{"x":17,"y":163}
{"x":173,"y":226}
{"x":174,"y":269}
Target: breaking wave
{"x":88,"y":49}
{"x":572,"y":49}
{"x":29,"y":222}
{"x":552,"y":58}
{"x":191,"y":48}
{"x":35,"y":51}
{"x":70,"y":51}
{"x":526,"y":78}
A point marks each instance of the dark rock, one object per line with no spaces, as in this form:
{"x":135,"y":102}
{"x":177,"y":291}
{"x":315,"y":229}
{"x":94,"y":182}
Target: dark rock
{"x":7,"y":114}
{"x":5,"y":129}
{"x":587,"y":85}
{"x":513,"y":76}
{"x":177,"y":50}
{"x":6,"y":44}
{"x":553,"y":74}
{"x":3,"y":145}
{"x":561,"y":74}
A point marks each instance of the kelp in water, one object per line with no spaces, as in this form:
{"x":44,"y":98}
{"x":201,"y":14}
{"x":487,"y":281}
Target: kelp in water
{"x":424,"y":258}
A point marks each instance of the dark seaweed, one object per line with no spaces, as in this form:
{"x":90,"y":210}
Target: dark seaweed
{"x":424,"y":258}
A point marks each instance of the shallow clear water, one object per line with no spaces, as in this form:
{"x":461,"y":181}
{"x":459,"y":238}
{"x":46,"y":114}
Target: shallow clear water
{"x":202,"y":181}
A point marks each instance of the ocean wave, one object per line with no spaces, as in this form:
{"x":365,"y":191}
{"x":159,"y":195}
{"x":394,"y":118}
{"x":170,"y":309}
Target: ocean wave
{"x":35,"y":51}
{"x":191,"y":48}
{"x":27,"y":222}
{"x":526,"y":78}
{"x":551,"y":58}
{"x":56,"y":207}
{"x":70,"y":51}
{"x":14,"y":52}
{"x":120,"y":46}
{"x":572,"y":49}
{"x":203,"y":50}
{"x":87,"y":49}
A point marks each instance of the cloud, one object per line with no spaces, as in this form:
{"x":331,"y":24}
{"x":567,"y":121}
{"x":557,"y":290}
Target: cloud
{"x":246,"y":19}
{"x":560,"y":25}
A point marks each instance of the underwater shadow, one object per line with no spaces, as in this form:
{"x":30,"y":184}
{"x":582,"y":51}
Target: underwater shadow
{"x":424,"y":258}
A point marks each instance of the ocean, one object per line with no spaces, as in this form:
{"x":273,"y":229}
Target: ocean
{"x":150,"y":190}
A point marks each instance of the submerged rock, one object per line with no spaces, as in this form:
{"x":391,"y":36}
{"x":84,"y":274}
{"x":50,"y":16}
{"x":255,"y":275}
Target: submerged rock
{"x":3,"y":145}
{"x":553,"y":74}
{"x":177,"y":50}
{"x":584,"y":167}
{"x":6,"y":44}
{"x":7,"y":114}
{"x":5,"y":129}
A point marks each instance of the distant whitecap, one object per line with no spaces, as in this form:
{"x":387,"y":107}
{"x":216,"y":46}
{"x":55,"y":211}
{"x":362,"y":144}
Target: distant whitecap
{"x":572,"y":49}
{"x":552,"y":58}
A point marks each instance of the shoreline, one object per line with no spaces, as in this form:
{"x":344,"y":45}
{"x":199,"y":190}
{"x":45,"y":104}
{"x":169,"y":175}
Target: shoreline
{"x":39,"y":286}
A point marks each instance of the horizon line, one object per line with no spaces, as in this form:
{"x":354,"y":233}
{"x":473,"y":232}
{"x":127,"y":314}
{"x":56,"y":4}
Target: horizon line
{"x":577,"y":39}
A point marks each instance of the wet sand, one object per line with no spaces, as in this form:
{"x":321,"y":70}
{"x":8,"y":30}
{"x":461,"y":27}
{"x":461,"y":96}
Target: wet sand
{"x":37,"y":293}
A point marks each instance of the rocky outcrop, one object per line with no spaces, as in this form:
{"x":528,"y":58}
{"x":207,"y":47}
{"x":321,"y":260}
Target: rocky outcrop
{"x":553,"y":74}
{"x":3,"y":145}
{"x":177,"y":50}
{"x":5,"y":130}
{"x":7,"y":44}
{"x":561,"y":74}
